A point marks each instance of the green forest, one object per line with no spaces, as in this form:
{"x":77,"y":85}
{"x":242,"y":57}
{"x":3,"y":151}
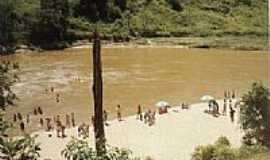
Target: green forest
{"x":55,"y":24}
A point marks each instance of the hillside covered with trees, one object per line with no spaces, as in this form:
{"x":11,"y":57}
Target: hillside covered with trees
{"x":52,"y":24}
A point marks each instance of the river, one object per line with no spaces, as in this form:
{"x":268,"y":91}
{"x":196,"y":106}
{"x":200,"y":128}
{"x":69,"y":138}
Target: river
{"x":132,"y":76}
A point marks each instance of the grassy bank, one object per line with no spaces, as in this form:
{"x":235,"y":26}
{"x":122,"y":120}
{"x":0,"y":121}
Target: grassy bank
{"x":237,"y":43}
{"x":239,"y":24}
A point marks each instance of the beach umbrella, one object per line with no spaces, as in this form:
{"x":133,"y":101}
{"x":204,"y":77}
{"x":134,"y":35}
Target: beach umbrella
{"x":207,"y":98}
{"x":162,"y":104}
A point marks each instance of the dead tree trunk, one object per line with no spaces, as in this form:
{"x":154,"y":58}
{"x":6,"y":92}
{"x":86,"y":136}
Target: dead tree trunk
{"x":98,"y":96}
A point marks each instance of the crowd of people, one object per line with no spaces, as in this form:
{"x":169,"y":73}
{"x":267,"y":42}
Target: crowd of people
{"x":56,"y":123}
{"x":229,"y":96}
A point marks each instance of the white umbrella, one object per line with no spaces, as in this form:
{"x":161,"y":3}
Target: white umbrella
{"x":207,"y":98}
{"x":162,"y":104}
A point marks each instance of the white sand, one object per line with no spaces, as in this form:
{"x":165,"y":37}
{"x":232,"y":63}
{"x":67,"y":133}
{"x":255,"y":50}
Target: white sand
{"x":174,"y":136}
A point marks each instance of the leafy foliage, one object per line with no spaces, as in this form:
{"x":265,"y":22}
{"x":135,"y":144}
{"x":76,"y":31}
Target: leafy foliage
{"x":79,"y":150}
{"x":7,"y":78}
{"x":52,"y":24}
{"x":8,"y":22}
{"x":221,"y":150}
{"x":255,"y":115}
{"x":47,"y":21}
{"x":20,"y":148}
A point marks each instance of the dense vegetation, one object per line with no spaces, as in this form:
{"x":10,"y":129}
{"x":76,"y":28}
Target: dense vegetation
{"x":13,"y":148}
{"x":222,"y":150}
{"x":56,"y":23}
{"x":255,"y":115}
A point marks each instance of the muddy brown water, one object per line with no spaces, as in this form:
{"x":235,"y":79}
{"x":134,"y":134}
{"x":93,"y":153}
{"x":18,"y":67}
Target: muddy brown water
{"x":132,"y":76}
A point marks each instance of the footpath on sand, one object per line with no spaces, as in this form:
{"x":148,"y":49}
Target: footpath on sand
{"x":174,"y":135}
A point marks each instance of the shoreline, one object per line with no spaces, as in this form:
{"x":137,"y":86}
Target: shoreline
{"x":227,"y":43}
{"x":155,"y":141}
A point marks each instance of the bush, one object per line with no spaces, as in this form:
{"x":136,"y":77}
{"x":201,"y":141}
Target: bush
{"x":223,"y":141}
{"x":224,"y":153}
{"x":246,"y":151}
{"x":80,"y":150}
{"x":203,"y":152}
{"x":221,"y":150}
{"x":255,"y":115}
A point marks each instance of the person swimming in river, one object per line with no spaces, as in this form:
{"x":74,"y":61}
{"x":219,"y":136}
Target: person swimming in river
{"x":40,"y":110}
{"x":35,"y":112}
{"x":52,"y":89}
{"x":19,"y":115}
{"x":57,"y":97}
{"x":27,"y":118}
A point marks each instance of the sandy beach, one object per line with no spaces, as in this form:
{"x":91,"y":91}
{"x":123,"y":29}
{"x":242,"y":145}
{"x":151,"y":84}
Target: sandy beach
{"x":174,"y":136}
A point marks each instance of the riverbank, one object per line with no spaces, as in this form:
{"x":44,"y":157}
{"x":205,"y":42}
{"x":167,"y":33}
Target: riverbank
{"x":243,"y":43}
{"x":173,"y":136}
{"x":232,"y":43}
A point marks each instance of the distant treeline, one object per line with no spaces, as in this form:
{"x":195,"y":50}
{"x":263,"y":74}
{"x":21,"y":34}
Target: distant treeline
{"x":53,"y":24}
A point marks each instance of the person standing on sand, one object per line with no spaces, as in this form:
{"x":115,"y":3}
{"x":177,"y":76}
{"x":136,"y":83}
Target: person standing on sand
{"x":58,"y":126}
{"x":224,"y":108}
{"x":139,"y":113}
{"x":63,"y":128}
{"x":67,"y":120}
{"x":232,"y":111}
{"x":93,"y":120}
{"x":225,"y":94}
{"x":41,"y":122}
{"x":15,"y":117}
{"x":22,"y":126}
{"x":49,"y":125}
{"x":105,"y":117}
{"x":73,"y":119}
{"x":233,"y":95}
{"x":118,"y":110}
{"x":146,"y":116}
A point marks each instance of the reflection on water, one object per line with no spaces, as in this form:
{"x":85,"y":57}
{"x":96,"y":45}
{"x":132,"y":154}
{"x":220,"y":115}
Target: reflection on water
{"x":134,"y":76}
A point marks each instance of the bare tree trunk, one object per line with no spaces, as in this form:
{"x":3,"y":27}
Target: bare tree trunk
{"x":98,"y":96}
